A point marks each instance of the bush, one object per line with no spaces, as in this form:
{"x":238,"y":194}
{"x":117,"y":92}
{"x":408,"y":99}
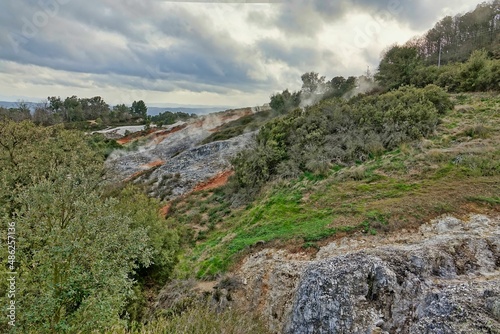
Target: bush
{"x":339,"y":132}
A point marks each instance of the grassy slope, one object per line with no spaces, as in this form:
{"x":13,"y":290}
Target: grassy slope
{"x":455,"y":171}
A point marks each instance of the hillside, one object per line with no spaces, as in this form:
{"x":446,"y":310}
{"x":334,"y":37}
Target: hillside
{"x":386,"y":202}
{"x":365,"y":204}
{"x":454,"y":171}
{"x":172,"y":160}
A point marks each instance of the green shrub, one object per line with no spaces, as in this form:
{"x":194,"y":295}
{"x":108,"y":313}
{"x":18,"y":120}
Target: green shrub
{"x":337,"y":132}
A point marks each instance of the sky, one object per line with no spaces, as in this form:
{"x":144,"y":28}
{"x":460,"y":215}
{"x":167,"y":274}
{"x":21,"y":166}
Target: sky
{"x":204,"y":53}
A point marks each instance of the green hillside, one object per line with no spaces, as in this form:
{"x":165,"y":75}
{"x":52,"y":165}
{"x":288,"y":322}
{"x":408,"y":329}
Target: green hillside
{"x":455,"y":169}
{"x":328,"y":161}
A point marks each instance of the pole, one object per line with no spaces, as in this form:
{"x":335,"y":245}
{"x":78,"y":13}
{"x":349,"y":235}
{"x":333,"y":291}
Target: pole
{"x":439,"y":58}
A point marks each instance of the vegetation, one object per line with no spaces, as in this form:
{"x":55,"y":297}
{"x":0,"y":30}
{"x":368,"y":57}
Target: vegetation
{"x":76,"y":251}
{"x":202,"y":320}
{"x":456,"y":38}
{"x":332,"y":159}
{"x":336,"y":132}
{"x":168,"y":117}
{"x":78,"y":113}
{"x":453,"y":170}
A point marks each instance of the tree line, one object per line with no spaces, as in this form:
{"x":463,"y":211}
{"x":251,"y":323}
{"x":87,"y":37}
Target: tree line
{"x":74,"y":110}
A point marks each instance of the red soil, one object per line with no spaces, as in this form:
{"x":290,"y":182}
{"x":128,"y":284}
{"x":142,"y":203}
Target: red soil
{"x":133,"y":136}
{"x":215,"y":182}
{"x":152,"y":164}
{"x":145,"y":168}
{"x":160,"y":136}
{"x":164,"y":210}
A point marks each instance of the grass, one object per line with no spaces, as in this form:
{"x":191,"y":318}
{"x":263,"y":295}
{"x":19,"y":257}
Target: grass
{"x":455,"y":171}
{"x":201,"y":320}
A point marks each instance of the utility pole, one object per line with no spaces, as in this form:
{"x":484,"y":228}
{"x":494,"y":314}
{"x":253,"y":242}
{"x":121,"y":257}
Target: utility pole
{"x":439,"y":58}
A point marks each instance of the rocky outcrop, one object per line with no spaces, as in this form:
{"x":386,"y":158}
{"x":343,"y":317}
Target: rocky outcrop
{"x":443,"y":278}
{"x":185,"y":162}
{"x":196,"y":165}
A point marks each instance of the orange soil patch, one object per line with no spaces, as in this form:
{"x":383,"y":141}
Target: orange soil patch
{"x":215,"y":182}
{"x":160,"y":136}
{"x":164,"y":210}
{"x":145,"y":168}
{"x":127,"y":139}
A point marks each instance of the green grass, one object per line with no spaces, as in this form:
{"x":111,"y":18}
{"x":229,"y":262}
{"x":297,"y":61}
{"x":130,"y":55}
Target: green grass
{"x":281,"y":216}
{"x":481,"y":199}
{"x":399,"y":189}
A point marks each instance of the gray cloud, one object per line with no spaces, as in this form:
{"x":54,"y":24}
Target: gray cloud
{"x":297,"y":56}
{"x":309,"y":17}
{"x":206,"y":57}
{"x":160,"y":46}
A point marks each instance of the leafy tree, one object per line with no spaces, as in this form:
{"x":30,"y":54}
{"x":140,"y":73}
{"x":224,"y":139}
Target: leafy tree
{"x":121,"y":113}
{"x":163,"y":241}
{"x":340,"y":86}
{"x":139,"y":109}
{"x":76,"y":252}
{"x":398,"y":66}
{"x":94,"y":108}
{"x":312,"y":83}
{"x":285,"y":101}
{"x":455,"y":38}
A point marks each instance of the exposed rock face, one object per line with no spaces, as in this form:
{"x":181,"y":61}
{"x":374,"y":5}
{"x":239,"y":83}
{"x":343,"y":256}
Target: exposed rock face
{"x":270,"y":279}
{"x":178,"y":147}
{"x":443,"y":279}
{"x":198,"y":164}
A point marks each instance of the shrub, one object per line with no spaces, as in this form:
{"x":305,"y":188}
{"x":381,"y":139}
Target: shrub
{"x":339,"y":132}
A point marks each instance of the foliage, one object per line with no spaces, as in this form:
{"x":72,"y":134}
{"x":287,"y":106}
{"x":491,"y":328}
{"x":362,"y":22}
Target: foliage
{"x":202,"y":319}
{"x":75,"y":256}
{"x":459,"y":36}
{"x":168,"y":117}
{"x":394,"y":190}
{"x":398,"y":66}
{"x":285,"y":101}
{"x":76,"y":252}
{"x":163,"y":239}
{"x":339,"y":132}
{"x":340,"y":86}
{"x":460,"y":54}
{"x":139,"y":109}
{"x":21,"y":113}
{"x":103,"y":145}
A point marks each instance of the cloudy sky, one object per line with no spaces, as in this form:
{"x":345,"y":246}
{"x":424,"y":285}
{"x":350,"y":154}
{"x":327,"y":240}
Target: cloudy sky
{"x":231,"y":53}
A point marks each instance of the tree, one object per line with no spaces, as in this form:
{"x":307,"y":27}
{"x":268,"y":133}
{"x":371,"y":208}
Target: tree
{"x":139,"y":109}
{"x":312,"y":83}
{"x":121,"y":113}
{"x":397,"y":66}
{"x":285,"y":101}
{"x":94,"y":108}
{"x":164,"y":242}
{"x":76,"y":252}
{"x":339,"y":86}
